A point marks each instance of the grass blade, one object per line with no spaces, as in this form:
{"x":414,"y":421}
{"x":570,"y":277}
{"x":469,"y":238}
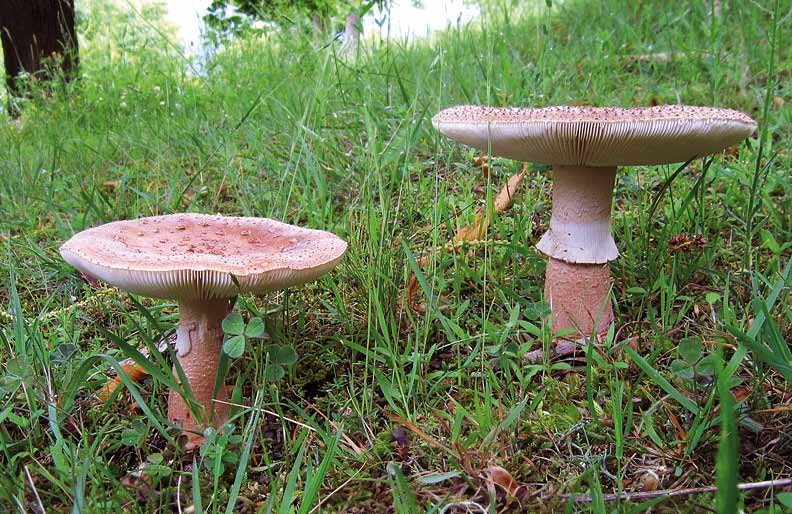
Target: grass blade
{"x":243,"y":460}
{"x":312,"y":487}
{"x":661,"y":381}
{"x":727,"y":464}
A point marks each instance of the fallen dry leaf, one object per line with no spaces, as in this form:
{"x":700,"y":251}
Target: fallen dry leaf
{"x":503,"y":479}
{"x":681,"y":433}
{"x":91,"y":281}
{"x":741,"y":393}
{"x":649,"y":481}
{"x":472,"y":233}
{"x":110,"y":186}
{"x":135,"y":372}
{"x":504,"y":199}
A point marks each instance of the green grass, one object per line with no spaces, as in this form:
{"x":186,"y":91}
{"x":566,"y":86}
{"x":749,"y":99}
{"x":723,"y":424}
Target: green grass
{"x":388,"y":410}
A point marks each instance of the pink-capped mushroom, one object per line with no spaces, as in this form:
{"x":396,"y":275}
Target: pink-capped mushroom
{"x":585,"y":145}
{"x":202,"y":261}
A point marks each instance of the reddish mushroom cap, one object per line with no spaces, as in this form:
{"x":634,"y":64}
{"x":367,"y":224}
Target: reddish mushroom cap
{"x":596,"y":136}
{"x":198,"y":256}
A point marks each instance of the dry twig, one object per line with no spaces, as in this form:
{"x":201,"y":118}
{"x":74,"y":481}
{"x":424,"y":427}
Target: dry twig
{"x":673,"y":493}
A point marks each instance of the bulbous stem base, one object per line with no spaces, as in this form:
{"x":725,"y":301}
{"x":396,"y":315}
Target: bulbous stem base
{"x":199,"y":341}
{"x":579,"y":298}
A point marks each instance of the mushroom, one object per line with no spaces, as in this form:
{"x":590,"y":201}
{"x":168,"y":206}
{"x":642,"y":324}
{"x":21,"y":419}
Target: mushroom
{"x":202,"y":261}
{"x":585,"y":145}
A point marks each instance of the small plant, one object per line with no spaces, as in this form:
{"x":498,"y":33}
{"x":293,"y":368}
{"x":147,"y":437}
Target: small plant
{"x":216,"y":452}
{"x":18,"y":372}
{"x":782,"y":505}
{"x":239,"y":331}
{"x":155,"y":468}
{"x":278,"y":356}
{"x":694,"y":365}
{"x":135,"y":435}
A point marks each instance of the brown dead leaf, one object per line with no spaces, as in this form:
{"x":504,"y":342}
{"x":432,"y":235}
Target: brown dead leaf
{"x":681,"y":432}
{"x":476,"y":230}
{"x":91,"y":281}
{"x":420,"y":433}
{"x":649,"y":481}
{"x":741,"y":393}
{"x":482,"y":162}
{"x":503,"y":479}
{"x":778,"y":101}
{"x":110,"y":186}
{"x":135,"y":372}
{"x":472,"y":233}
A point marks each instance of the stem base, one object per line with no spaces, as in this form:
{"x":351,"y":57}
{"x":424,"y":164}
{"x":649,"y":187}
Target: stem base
{"x":579,"y":297}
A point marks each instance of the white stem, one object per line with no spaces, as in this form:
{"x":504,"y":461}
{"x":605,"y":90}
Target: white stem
{"x":580,"y":227}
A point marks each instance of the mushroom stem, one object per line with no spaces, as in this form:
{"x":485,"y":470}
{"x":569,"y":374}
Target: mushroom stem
{"x":579,"y":297}
{"x":199,"y":342}
{"x":579,"y":244}
{"x":580,"y":227}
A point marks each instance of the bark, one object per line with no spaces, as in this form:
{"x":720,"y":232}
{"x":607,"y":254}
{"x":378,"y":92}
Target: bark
{"x":319,"y":27}
{"x":38,"y":37}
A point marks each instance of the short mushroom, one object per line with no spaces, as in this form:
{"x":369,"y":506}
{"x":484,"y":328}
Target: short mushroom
{"x":585,"y":145}
{"x":202,"y":261}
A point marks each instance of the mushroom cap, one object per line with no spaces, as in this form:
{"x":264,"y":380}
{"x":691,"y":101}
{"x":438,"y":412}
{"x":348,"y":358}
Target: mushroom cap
{"x":596,"y":136}
{"x":199,"y":256}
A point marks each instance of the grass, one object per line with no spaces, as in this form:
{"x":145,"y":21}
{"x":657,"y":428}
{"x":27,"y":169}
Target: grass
{"x":390,"y":410}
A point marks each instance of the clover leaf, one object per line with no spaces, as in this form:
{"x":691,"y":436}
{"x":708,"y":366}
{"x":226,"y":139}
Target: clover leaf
{"x":693,"y":362}
{"x":234,"y":326}
{"x":255,"y":328}
{"x":234,"y":346}
{"x":238,"y":332}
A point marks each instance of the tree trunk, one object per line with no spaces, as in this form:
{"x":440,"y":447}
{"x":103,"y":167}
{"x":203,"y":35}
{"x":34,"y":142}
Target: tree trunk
{"x":39,"y":38}
{"x":318,"y":25}
{"x":351,"y":32}
{"x":716,"y":8}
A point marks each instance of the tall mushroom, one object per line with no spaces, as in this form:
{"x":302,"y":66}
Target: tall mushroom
{"x":202,"y":261}
{"x":585,"y":145}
